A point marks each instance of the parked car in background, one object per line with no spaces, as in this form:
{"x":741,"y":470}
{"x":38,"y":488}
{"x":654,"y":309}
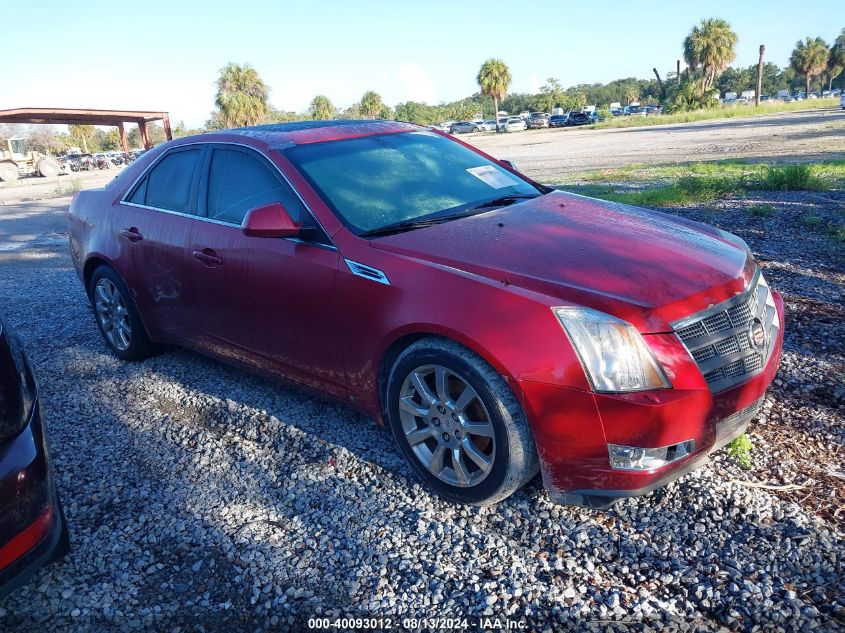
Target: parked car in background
{"x":595,"y":116}
{"x":463,"y":127}
{"x":513,"y":124}
{"x":291,"y":249}
{"x":537,"y":120}
{"x":558,"y":120}
{"x":32,"y":526}
{"x":489,"y":125}
{"x":579,"y":118}
{"x":842,"y":101}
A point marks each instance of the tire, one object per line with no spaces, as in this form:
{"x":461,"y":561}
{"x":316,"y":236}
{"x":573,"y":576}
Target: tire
{"x":495,"y":459}
{"x":475,"y":129}
{"x":9,"y":172}
{"x":48,"y":167}
{"x":117,"y":317}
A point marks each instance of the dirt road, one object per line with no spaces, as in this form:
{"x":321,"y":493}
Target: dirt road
{"x":549,"y":155}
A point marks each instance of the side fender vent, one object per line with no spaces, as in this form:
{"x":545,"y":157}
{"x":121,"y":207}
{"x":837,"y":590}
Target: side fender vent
{"x":367,"y":272}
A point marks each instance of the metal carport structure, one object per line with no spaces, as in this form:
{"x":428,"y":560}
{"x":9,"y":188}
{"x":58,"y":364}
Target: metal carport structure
{"x":67,"y":116}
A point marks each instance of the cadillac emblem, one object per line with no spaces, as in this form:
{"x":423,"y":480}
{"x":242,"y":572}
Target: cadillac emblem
{"x":757,"y":333}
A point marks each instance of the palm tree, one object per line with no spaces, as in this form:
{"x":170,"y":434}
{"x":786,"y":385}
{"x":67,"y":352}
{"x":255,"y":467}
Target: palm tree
{"x":321,"y":108}
{"x":241,"y":95}
{"x":372,"y":105}
{"x":711,"y":46}
{"x":837,"y":58}
{"x":494,"y":79}
{"x":810,"y":59}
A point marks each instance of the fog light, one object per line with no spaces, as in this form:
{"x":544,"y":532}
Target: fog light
{"x":636,"y":458}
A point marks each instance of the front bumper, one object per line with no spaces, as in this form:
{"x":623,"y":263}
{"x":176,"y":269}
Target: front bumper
{"x":572,"y":428}
{"x":32,"y":526}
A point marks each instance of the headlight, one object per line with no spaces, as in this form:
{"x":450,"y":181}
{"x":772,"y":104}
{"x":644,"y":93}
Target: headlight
{"x":612,"y":352}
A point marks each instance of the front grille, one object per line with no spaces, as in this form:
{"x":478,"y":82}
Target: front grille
{"x":719,"y":339}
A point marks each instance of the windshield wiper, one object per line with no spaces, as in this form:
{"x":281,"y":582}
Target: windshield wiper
{"x":505,"y":200}
{"x":399,"y":227}
{"x":410,"y":225}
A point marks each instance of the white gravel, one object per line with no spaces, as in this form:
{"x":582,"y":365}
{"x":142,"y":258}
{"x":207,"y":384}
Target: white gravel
{"x":202,"y":498}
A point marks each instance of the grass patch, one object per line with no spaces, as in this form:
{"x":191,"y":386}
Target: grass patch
{"x":798,"y":177}
{"x":740,"y":449}
{"x":679,"y":184}
{"x":722,"y":112}
{"x":761,"y":210}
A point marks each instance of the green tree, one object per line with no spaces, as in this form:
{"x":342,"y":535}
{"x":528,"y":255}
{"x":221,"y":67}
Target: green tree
{"x":710,"y":46}
{"x":84,"y":136}
{"x":494,"y":79}
{"x":242,"y":97}
{"x":321,"y":108}
{"x":631,"y":94}
{"x":371,"y":105}
{"x":551,"y":95}
{"x":809,"y":58}
{"x":837,"y":59}
{"x":687,"y":97}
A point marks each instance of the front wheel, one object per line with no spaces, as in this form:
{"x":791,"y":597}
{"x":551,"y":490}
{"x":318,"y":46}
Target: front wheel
{"x":458,"y":423}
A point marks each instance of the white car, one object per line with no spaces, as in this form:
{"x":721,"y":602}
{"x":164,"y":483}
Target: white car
{"x":488,"y":126}
{"x":842,"y":101}
{"x":513,"y":124}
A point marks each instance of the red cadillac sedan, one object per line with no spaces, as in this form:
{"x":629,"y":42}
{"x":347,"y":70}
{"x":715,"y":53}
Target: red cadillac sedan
{"x":498,"y":326}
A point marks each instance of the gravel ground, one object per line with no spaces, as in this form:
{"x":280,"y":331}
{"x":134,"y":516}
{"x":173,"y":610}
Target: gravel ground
{"x":202,"y":498}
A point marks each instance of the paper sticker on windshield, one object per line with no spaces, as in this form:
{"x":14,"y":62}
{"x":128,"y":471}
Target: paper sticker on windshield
{"x":493,"y":177}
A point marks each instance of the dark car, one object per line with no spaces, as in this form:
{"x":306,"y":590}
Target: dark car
{"x":32,"y":525}
{"x":384,"y":264}
{"x":537,"y":120}
{"x":579,"y":118}
{"x":557,"y":120}
{"x":463,"y":127}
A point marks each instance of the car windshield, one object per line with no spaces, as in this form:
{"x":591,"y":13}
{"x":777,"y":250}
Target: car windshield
{"x":378,"y":181}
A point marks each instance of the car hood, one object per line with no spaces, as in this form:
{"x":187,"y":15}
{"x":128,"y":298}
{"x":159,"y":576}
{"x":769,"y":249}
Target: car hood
{"x":643,"y":266}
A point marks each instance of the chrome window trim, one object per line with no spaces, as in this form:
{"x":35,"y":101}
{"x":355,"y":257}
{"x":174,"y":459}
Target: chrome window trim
{"x":203,"y":144}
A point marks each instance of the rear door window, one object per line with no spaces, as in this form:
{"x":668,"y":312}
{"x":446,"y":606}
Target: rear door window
{"x":168,"y":184}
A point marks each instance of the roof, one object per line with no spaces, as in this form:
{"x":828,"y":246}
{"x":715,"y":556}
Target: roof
{"x":72,"y":115}
{"x":304,"y":132}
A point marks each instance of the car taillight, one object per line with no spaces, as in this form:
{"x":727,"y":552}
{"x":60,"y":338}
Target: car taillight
{"x":17,"y":387}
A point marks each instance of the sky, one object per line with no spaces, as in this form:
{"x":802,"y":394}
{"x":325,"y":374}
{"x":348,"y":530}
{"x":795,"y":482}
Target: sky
{"x":165,"y":56}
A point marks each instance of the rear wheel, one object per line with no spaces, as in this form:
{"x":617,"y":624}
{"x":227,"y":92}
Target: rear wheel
{"x":458,"y":423}
{"x":117,"y":317}
{"x":8,"y":172}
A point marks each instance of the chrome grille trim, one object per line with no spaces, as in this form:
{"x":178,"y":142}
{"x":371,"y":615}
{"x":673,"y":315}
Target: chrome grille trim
{"x":718,"y":338}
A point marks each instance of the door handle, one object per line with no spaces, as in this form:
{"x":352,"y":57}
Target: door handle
{"x":207,"y":257}
{"x":132,"y":234}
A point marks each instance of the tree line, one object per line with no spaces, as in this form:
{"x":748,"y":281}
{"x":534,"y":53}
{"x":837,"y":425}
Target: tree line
{"x":242,"y":96}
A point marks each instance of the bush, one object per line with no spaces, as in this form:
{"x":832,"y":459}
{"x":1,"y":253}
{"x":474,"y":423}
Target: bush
{"x":688,"y":97}
{"x":797,"y":177}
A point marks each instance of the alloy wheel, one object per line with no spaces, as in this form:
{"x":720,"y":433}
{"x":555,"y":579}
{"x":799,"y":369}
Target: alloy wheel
{"x":447,"y":426}
{"x":112,"y":315}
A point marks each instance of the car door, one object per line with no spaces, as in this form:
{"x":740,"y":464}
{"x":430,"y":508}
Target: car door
{"x":153,"y":223}
{"x":271,"y":302}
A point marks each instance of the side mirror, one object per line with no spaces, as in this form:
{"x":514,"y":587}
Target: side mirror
{"x":272,"y":220}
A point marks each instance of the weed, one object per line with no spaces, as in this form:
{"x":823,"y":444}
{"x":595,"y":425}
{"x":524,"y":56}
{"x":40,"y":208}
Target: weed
{"x":811,"y":220}
{"x":740,"y":449}
{"x":798,"y":177}
{"x":761,"y":210}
